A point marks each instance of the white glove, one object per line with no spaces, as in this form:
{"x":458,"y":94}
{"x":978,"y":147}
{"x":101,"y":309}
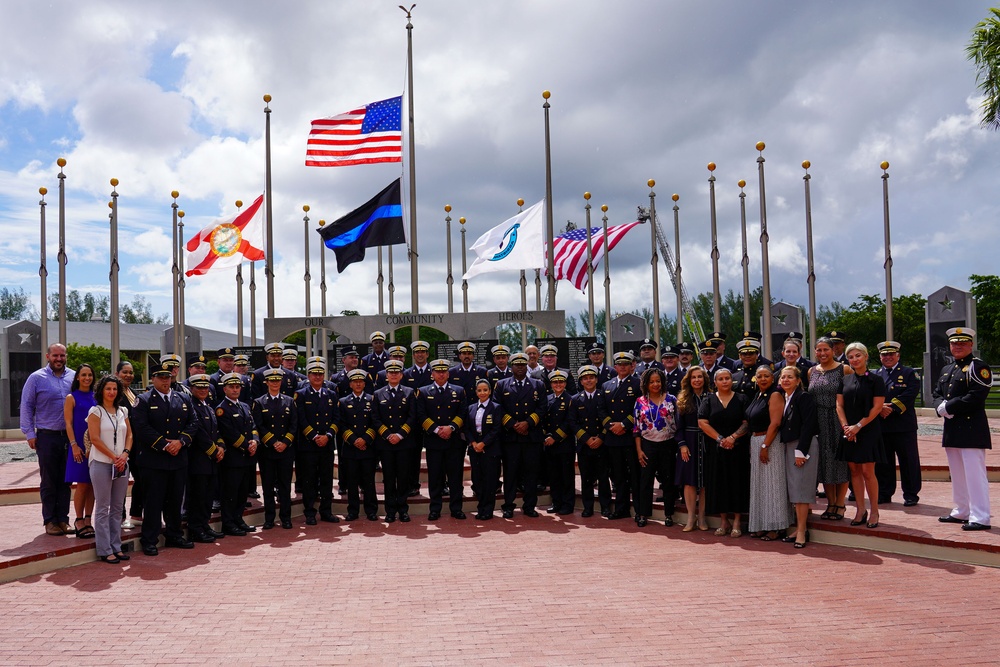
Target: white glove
{"x":942,"y":411}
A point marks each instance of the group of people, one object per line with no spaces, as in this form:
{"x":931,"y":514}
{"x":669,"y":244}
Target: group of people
{"x":746,"y":439}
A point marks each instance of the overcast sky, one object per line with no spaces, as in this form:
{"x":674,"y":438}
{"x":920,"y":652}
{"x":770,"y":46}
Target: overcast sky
{"x":169,"y":96}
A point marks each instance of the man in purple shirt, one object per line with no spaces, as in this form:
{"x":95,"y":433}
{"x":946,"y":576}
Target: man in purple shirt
{"x":44,"y":427}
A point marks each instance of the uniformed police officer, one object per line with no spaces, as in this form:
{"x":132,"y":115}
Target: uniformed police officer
{"x":589,"y":418}
{"x":441,"y":412}
{"x":960,"y":397}
{"x":258,"y":386}
{"x":719,"y":338}
{"x":395,"y":420}
{"x":685,"y":350}
{"x":467,"y":372}
{"x":238,"y":470}
{"x":317,"y":408}
{"x":899,"y":428}
{"x":595,"y":353}
{"x":163,"y":424}
{"x":202,"y":464}
{"x":276,"y":422}
{"x":500,"y":370}
{"x":620,"y":395}
{"x":358,"y":459}
{"x":709,"y":354}
{"x":375,"y":361}
{"x":416,"y":376}
{"x":522,"y":406}
{"x":647,"y":357}
{"x":670,"y":358}
{"x":838,"y":342}
{"x":560,"y":444}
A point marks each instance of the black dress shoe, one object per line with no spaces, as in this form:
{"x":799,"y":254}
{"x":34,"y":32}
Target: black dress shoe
{"x":587,"y":513}
{"x":390,"y":518}
{"x":413,"y":492}
{"x":972,"y":525}
{"x":483,"y":516}
{"x":620,"y":515}
{"x":202,"y":538}
{"x":640,"y":521}
{"x":885,"y":501}
{"x":669,"y":521}
{"x":330,"y":518}
{"x":310,"y":521}
{"x":404,"y":517}
{"x":458,"y":515}
{"x":952,"y":519}
{"x":150,"y":551}
{"x":552,"y":509}
{"x":351,"y":517}
{"x":564,"y":511}
{"x":433,"y":516}
{"x":372,"y":517}
{"x":236,"y":532}
{"x":254,"y":494}
{"x":606,"y":513}
{"x":248,"y":528}
{"x":532,"y":513}
{"x":180,"y":543}
{"x":215,"y":533}
{"x":507,"y":514}
{"x":268,"y":525}
{"x":909,"y":503}
{"x":287,"y":523}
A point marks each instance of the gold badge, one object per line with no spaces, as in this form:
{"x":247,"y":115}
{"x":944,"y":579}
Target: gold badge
{"x":219,"y":412}
{"x":985,"y":374}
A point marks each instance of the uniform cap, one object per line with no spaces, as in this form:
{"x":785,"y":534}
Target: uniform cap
{"x":349,"y":350}
{"x":670,"y":351}
{"x":394,"y":365}
{"x":357,"y":374}
{"x":837,"y":336}
{"x":440,"y":365}
{"x":795,"y":335}
{"x":239,"y":359}
{"x":557,"y":376}
{"x":500,"y":350}
{"x":960,"y":335}
{"x":717,"y":337}
{"x":231,"y":378}
{"x":377,"y":335}
{"x":753,"y":335}
{"x":748,"y":345}
{"x":709,"y":345}
{"x":888,"y":346}
{"x":170,"y":361}
{"x":466,"y":346}
{"x":316,"y":360}
{"x":316,"y":367}
{"x":685,"y":346}
{"x":290,"y":353}
{"x":197,"y":360}
{"x":587,"y":370}
{"x":271,"y":373}
{"x":518,"y":358}
{"x":162,"y":369}
{"x":624,"y":357}
{"x":274,"y":347}
{"x":397,"y":349}
{"x":420,"y":346}
{"x":548,"y":349}
{"x":595,"y":347}
{"x":646,"y":342}
{"x":225,"y":352}
{"x":200,"y":380}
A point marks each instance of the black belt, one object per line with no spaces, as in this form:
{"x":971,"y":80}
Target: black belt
{"x":49,"y":430}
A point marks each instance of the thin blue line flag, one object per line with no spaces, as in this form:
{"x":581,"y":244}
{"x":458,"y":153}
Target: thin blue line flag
{"x":377,"y":222}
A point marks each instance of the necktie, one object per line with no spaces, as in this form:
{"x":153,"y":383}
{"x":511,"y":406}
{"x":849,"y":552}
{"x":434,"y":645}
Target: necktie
{"x":482,"y":406}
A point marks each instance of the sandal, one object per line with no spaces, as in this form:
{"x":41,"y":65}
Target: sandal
{"x":770,"y":536}
{"x":85,"y":531}
{"x":111,"y":559}
{"x":720,"y":531}
{"x":828,"y":515}
{"x":735,"y":532}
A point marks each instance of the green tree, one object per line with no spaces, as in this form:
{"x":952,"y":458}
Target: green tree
{"x":80,"y":308}
{"x":140,"y":311}
{"x":730,"y":314}
{"x":984,"y":50}
{"x":15,"y":304}
{"x":864,"y":321}
{"x":986,"y":289}
{"x":96,"y":356}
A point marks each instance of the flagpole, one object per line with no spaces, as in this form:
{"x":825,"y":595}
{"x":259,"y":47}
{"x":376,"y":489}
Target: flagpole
{"x":590,"y":266}
{"x":414,"y":254}
{"x":811,"y":278}
{"x":43,"y":274}
{"x":62,"y":251}
{"x":239,"y":290}
{"x":322,"y":292}
{"x":524,"y":291}
{"x":654,"y":262}
{"x":253,"y":304}
{"x":678,"y":287}
{"x":548,"y":206}
{"x":450,"y":280}
{"x":114,"y":317}
{"x":180,"y":294}
{"x":716,"y":306}
{"x":607,"y":285}
{"x":379,"y":281}
{"x":307,"y":278}
{"x":888,"y":252}
{"x":269,"y":257}
{"x":745,"y":262}
{"x":766,"y":351}
{"x":465,"y":283}
{"x":392,"y":289}
{"x":173,"y":272}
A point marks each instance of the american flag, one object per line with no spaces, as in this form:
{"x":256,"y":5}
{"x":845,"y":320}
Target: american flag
{"x":571,"y":251}
{"x":366,"y":135}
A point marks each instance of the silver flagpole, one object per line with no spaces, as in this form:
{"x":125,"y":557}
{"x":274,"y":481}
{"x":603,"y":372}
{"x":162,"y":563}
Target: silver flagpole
{"x":253,"y":304}
{"x":269,"y":223}
{"x":765,"y":267}
{"x":451,"y":279}
{"x":322,"y":292}
{"x":550,"y":239}
{"x":307,"y":278}
{"x":745,"y":262}
{"x":414,"y":254}
{"x":465,"y":283}
{"x":173,"y":273}
{"x":607,"y":285}
{"x":677,"y":270}
{"x":888,"y":252}
{"x":524,"y":291}
{"x":114,"y":314}
{"x":43,"y":274}
{"x":811,"y":278}
{"x":380,"y":281}
{"x":239,"y":290}
{"x":590,"y":267}
{"x":180,"y":293}
{"x":392,"y":290}
{"x":62,"y":251}
{"x":716,"y":306}
{"x":654,"y":261}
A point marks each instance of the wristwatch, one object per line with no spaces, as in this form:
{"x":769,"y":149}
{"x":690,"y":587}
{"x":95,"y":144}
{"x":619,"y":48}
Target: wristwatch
{"x":763,"y":446}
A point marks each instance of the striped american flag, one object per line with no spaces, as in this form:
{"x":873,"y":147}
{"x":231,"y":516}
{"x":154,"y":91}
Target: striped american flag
{"x":571,"y":251}
{"x":368,"y":134}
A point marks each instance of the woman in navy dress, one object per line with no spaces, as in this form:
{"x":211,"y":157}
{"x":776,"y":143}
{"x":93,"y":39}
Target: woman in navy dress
{"x":722,"y":418}
{"x":78,"y":403}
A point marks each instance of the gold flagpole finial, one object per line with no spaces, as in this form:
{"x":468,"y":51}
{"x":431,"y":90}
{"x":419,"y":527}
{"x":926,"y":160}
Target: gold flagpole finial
{"x":43,"y":191}
{"x":884,"y":165}
{"x":760,"y":146}
{"x":586,"y":195}
{"x":741,"y":183}
{"x":447,"y":208}
{"x":675,"y":196}
{"x":711,"y":166}
{"x":174,"y":194}
{"x":806,"y":164}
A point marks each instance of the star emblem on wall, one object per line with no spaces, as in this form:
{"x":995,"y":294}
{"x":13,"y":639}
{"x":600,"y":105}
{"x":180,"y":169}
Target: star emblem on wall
{"x":25,"y":338}
{"x":946,"y":303}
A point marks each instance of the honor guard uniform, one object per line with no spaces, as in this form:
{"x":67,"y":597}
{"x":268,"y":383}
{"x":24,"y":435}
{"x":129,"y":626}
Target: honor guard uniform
{"x":960,"y":397}
{"x":375,"y":361}
{"x":441,"y":412}
{"x":163,"y":424}
{"x":549,"y":355}
{"x":317,"y":408}
{"x":238,"y":470}
{"x":349,"y":357}
{"x":482,"y":432}
{"x":595,"y":353}
{"x":395,"y":420}
{"x":289,"y":360}
{"x":467,"y":372}
{"x":671,"y":369}
{"x":589,"y":418}
{"x":241,"y":366}
{"x":358,"y":461}
{"x":500,"y":370}
{"x":647,"y":357}
{"x":758,"y":337}
{"x":838,"y":342}
{"x":202,"y":463}
{"x":745,"y":377}
{"x":274,"y":416}
{"x":416,"y":376}
{"x":522,"y":406}
{"x":560,"y":445}
{"x":899,"y":427}
{"x":173,"y":363}
{"x":396,"y":352}
{"x":227,"y":359}
{"x":258,"y":386}
{"x":620,"y":395}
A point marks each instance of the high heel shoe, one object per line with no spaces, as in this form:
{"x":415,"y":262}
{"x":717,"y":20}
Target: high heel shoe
{"x":802,"y":545}
{"x":837,"y":515}
{"x":862,"y":519}
{"x":873,"y":523}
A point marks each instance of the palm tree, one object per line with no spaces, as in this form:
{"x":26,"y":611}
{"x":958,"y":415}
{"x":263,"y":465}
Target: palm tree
{"x":984,"y":50}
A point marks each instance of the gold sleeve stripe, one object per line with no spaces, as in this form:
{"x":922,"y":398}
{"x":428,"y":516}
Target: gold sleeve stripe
{"x":307,"y":430}
{"x":899,"y":404}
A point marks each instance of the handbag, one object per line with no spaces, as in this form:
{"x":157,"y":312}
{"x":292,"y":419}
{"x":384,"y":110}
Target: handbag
{"x":86,"y":443}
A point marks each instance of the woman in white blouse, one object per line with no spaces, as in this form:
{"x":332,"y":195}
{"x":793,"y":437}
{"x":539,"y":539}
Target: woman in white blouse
{"x":111,"y":440}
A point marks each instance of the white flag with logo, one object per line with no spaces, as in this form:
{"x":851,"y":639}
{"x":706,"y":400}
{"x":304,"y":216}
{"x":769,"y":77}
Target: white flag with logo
{"x":518,"y":243}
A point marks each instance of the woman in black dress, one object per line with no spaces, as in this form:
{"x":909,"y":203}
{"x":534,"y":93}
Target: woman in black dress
{"x":859,"y":406}
{"x":722,"y":419}
{"x":691,"y":472}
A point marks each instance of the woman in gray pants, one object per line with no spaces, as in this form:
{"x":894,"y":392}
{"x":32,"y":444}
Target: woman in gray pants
{"x":111,"y":445}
